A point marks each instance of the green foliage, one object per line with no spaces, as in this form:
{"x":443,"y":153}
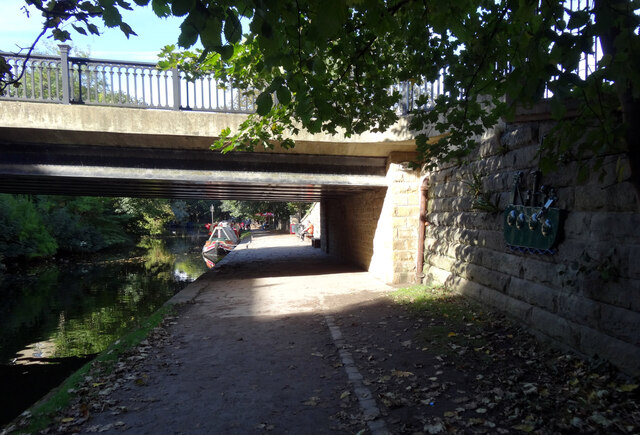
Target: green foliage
{"x":84,"y":224}
{"x":244,"y":209}
{"x":299,"y":209}
{"x":481,"y":199}
{"x":24,"y":233}
{"x":42,"y":225}
{"x":249,"y":209}
{"x":330,"y":67}
{"x":179,"y":210}
{"x":149,"y":216}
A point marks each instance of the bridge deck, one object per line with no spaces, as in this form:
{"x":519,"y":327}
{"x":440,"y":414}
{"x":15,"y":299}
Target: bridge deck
{"x":109,"y":151}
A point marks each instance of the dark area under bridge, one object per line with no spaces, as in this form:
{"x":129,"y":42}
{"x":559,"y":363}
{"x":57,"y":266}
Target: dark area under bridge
{"x":32,"y":168}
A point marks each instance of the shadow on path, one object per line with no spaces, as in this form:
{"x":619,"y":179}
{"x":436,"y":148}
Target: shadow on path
{"x":250,"y":351}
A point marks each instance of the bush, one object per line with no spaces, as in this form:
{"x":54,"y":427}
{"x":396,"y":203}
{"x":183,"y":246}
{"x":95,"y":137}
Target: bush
{"x":24,"y":232}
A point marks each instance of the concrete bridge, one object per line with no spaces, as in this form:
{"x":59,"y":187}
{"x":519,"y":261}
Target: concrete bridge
{"x":149,"y":147}
{"x":107,"y":151}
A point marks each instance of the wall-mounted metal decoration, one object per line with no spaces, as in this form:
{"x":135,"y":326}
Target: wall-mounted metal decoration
{"x":530,"y":223}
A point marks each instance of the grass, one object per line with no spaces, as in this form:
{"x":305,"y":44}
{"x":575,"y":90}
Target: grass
{"x":42,"y":413}
{"x":451,"y":320}
{"x":429,"y":300}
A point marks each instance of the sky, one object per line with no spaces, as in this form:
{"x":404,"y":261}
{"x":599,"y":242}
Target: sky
{"x":17,"y":30}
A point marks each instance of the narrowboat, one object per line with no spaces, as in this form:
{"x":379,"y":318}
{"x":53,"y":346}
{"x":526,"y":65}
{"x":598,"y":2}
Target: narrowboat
{"x":222,"y":240}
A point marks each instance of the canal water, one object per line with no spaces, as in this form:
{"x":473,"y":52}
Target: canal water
{"x":58,"y":315}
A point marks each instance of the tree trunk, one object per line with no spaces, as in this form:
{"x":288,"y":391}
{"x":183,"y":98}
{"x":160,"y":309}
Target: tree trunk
{"x":621,"y":13}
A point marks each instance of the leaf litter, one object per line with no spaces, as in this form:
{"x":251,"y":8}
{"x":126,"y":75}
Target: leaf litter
{"x":93,"y":395}
{"x":490,"y":376}
{"x":454,"y":367}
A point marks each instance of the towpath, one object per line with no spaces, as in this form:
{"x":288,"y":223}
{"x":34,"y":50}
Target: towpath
{"x":255,"y":348}
{"x":282,"y":339}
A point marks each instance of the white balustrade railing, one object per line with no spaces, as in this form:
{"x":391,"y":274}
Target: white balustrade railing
{"x":75,"y":80}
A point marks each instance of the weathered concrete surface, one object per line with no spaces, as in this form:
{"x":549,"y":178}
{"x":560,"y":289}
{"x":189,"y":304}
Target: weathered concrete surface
{"x":147,"y":128}
{"x":277,"y":275}
{"x":254,"y":349}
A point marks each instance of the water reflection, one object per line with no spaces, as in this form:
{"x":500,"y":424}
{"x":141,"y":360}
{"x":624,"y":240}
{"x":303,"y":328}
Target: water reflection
{"x":79,"y":308}
{"x":209,"y":260}
{"x":54,"y":315}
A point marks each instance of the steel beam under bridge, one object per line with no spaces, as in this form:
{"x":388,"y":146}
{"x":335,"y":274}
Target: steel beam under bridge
{"x":184,"y":174}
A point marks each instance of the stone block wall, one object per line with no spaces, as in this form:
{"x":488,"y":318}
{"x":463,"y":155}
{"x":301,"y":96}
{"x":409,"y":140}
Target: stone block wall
{"x":586,"y":297}
{"x":350,"y":225}
{"x":377,"y":229}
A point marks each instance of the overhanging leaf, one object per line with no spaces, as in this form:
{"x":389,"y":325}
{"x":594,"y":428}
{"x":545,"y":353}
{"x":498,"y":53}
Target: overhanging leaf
{"x":161,"y":8}
{"x":226,"y":52}
{"x":232,"y":28}
{"x":188,"y":35}
{"x":79,"y":29}
{"x":210,"y":35}
{"x":180,"y":8}
{"x":111,"y":16}
{"x":264,"y":103}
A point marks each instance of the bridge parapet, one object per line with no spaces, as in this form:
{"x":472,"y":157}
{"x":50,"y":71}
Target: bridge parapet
{"x":76,"y":80}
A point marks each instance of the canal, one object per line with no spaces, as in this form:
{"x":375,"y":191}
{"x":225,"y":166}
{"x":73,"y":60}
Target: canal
{"x":56,"y":316}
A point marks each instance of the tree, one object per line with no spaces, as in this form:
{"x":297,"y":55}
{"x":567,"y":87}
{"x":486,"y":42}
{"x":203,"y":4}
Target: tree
{"x":250,"y":209}
{"x":199,"y":210}
{"x":332,"y":64}
{"x":25,"y":233}
{"x":150,"y":216}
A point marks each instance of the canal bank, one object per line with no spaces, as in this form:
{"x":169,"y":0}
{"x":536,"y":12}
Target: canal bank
{"x":286,"y":340}
{"x":249,"y":349}
{"x":57,"y":315}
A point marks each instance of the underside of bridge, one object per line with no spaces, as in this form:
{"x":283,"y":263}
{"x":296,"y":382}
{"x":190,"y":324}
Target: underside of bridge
{"x":368,"y":195}
{"x":110,"y":151}
{"x":183,"y":174}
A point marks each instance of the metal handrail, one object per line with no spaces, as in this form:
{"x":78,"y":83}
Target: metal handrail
{"x":75,"y":80}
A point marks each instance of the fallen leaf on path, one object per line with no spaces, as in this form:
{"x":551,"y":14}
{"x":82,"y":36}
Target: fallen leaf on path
{"x":627,"y":388}
{"x":600,"y":419}
{"x":313,"y":401}
{"x":529,"y":388}
{"x":434,"y":428}
{"x":523,"y":427}
{"x":401,"y":374}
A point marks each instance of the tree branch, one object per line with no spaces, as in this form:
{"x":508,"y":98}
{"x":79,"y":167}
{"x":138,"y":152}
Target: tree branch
{"x":5,"y":83}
